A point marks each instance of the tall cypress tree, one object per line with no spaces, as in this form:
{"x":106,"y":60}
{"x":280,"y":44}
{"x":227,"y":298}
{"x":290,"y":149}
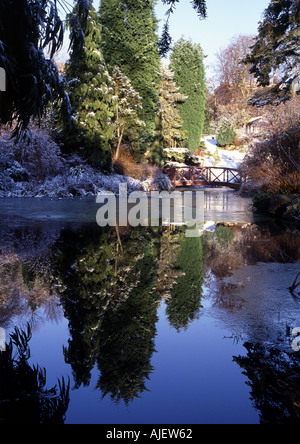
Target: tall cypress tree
{"x":129,"y":41}
{"x":90,"y":90}
{"x":170,"y":97}
{"x":189,"y":75}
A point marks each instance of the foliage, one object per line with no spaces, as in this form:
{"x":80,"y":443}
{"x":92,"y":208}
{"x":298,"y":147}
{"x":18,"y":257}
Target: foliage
{"x":235,"y":84}
{"x":185,"y":302}
{"x":106,"y":280}
{"x":266,"y":369}
{"x":272,"y":166}
{"x":225,"y":133}
{"x":180,"y":155}
{"x":23,"y":387}
{"x":166,"y":40}
{"x":130,"y":42}
{"x":126,"y":165}
{"x":155,"y":152}
{"x":35,"y":160}
{"x":189,"y":75}
{"x":275,"y":55}
{"x":33,"y":81}
{"x":128,"y":103}
{"x":172,"y":122}
{"x":90,"y":90}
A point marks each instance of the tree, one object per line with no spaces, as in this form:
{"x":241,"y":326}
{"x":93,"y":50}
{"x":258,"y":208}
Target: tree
{"x":169,"y":98}
{"x":156,"y":148}
{"x":166,"y":40}
{"x":189,"y":75}
{"x":275,"y":56}
{"x":127,"y":106}
{"x":130,"y":42}
{"x":235,"y":83}
{"x":184,"y":305}
{"x":27,"y":29}
{"x":90,"y":91}
{"x":225,"y":133}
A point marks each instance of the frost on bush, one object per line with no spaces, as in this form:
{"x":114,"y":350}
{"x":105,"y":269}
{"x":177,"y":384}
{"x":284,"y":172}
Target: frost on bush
{"x":41,"y":156}
{"x":39,"y":170}
{"x":225,"y":133}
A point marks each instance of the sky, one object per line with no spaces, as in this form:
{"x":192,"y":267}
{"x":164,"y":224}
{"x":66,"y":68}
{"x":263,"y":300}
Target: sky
{"x":226,"y":19}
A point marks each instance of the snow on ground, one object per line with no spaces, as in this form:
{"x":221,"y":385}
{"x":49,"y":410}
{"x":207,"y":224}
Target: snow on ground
{"x":229,"y":159}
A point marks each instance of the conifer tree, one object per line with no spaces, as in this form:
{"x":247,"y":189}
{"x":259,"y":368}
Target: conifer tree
{"x":33,"y":83}
{"x":127,"y":124}
{"x":155,"y":152}
{"x":189,"y":75}
{"x":170,"y":97}
{"x":129,"y":41}
{"x":26,"y":28}
{"x":90,"y":90}
{"x":276,"y":49}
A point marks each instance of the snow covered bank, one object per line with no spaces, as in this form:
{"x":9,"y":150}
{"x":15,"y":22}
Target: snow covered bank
{"x":40,"y":170}
{"x":76,"y":181}
{"x":225,"y":158}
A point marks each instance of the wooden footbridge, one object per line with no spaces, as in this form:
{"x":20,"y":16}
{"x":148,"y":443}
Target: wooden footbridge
{"x":205,"y":176}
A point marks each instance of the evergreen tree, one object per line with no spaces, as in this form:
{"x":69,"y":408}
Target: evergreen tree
{"x":170,"y":97}
{"x":276,"y":50}
{"x":130,"y":42}
{"x":225,"y":133}
{"x":155,"y":153}
{"x":184,"y":305}
{"x":90,"y":90}
{"x":189,"y":75}
{"x":127,"y":105}
{"x":27,"y":28}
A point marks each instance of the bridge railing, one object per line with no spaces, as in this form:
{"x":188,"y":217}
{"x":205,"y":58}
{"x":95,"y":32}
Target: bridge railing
{"x":209,"y":176}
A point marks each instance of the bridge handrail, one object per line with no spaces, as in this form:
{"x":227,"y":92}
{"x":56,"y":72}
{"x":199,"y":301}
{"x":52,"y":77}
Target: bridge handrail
{"x":200,"y":168}
{"x":212,"y":178}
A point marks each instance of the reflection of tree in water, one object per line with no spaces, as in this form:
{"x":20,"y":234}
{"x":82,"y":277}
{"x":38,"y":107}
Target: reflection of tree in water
{"x":84,"y":272}
{"x":234,"y":246}
{"x":107,"y":295}
{"x":24,"y":397}
{"x":26,"y":276}
{"x":274,"y":379}
{"x":127,"y":333}
{"x":185,"y":301}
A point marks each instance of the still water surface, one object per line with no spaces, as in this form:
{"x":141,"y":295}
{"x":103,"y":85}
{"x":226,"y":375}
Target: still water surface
{"x":146,"y":325}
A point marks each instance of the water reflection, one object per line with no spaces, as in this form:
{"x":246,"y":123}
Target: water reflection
{"x":106,"y":289}
{"x":24,"y":396}
{"x":274,"y":379}
{"x":109,"y":284}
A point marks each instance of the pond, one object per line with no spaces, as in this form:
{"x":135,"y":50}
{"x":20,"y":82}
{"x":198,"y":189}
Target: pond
{"x":146,"y":325}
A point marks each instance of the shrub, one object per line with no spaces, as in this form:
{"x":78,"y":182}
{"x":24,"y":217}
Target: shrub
{"x":126,"y":165}
{"x":225,"y":133}
{"x":36,"y":158}
{"x":272,"y":166}
{"x":151,"y":175}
